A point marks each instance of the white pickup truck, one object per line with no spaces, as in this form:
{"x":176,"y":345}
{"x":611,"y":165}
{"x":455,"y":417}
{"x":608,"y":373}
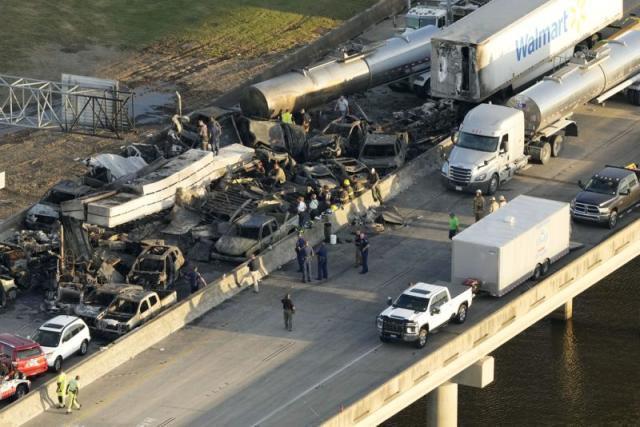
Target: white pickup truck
{"x":419,"y":310}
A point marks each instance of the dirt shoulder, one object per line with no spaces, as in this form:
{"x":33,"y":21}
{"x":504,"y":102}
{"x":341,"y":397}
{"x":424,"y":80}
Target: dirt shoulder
{"x":218,"y":45}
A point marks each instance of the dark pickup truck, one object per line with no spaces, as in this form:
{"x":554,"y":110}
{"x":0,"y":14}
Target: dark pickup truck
{"x":608,"y":195}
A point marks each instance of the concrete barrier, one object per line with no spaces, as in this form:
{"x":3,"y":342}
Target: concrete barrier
{"x":490,"y":333}
{"x":139,"y":340}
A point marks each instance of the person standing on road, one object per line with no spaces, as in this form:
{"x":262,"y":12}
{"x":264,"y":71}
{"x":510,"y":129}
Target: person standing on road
{"x":454,"y":225}
{"x":364,"y":253}
{"x":323,"y":273}
{"x":493,"y":205}
{"x":478,"y":205}
{"x":502,"y":201}
{"x":195,"y":279}
{"x":203,"y":133}
{"x":288,"y":309}
{"x":61,"y":388}
{"x":73,"y":390}
{"x":287,"y":117}
{"x":358,"y":253}
{"x":342,"y":105}
{"x":374,"y":178}
{"x":302,"y":212}
{"x":307,"y":254}
{"x":300,"y":243}
{"x":215,"y":132}
{"x":254,"y":272}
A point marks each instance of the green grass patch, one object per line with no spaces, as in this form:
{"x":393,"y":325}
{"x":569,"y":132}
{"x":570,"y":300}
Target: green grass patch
{"x":227,"y":27}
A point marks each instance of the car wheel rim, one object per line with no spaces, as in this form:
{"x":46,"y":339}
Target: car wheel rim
{"x":463,"y":313}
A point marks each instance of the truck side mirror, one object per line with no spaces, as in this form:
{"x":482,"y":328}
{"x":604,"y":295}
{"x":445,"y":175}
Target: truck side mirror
{"x":455,"y":137}
{"x":502,"y":151}
{"x":389,"y":301}
{"x":580,"y":184}
{"x":435,"y":310}
{"x":625,"y":192}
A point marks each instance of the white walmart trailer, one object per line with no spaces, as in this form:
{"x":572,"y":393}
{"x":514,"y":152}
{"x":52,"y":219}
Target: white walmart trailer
{"x":509,"y":43}
{"x":518,"y":241}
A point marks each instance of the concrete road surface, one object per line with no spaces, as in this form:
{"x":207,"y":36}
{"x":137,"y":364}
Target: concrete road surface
{"x":238,"y":366}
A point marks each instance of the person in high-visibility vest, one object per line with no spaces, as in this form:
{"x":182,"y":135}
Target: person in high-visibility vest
{"x":73,"y":389}
{"x":61,"y":388}
{"x":287,"y":117}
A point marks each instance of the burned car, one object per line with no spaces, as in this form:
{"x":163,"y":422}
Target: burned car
{"x":45,"y":213}
{"x":132,"y":308}
{"x":251,"y":234}
{"x":316,"y":176}
{"x":156,"y":267}
{"x":14,"y":262}
{"x":385,"y":152}
{"x":352,"y":129}
{"x":97,"y":300}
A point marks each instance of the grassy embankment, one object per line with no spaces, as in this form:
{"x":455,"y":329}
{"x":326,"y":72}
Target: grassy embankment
{"x":129,"y":25}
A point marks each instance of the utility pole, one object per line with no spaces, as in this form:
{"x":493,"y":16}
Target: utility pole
{"x":449,"y":13}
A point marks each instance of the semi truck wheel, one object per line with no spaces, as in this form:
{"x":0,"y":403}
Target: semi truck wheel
{"x":556,"y":145}
{"x":422,"y":337}
{"x":537,"y":273}
{"x":493,"y":185}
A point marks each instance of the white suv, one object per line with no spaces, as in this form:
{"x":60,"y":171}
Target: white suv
{"x":61,"y":337}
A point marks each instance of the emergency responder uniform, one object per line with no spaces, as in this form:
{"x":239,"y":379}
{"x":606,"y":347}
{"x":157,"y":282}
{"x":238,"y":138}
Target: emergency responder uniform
{"x":478,"y":205}
{"x":61,"y":388}
{"x":73,"y":389}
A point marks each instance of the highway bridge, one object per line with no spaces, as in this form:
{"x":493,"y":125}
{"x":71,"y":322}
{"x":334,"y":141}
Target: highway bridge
{"x":238,"y":366}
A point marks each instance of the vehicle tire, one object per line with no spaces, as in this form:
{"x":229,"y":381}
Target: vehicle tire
{"x":12,"y":295}
{"x":384,"y":339}
{"x":3,"y":299}
{"x":57,"y":365}
{"x":84,"y":347}
{"x":537,"y":272}
{"x":556,"y":145}
{"x":21,"y":391}
{"x":422,"y":337}
{"x":546,"y":265}
{"x":613,"y":220}
{"x":461,"y":316}
{"x":545,"y":153}
{"x":493,"y":185}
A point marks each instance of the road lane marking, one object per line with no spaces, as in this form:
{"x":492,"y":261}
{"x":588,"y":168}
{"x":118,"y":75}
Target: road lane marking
{"x":315,"y":386}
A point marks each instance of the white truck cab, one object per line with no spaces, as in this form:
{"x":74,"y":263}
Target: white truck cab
{"x":421,"y":309}
{"x":489,"y":149}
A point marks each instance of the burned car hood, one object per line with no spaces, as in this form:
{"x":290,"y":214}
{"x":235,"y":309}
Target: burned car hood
{"x":234,"y":245}
{"x":592,"y":198}
{"x":91,"y":311}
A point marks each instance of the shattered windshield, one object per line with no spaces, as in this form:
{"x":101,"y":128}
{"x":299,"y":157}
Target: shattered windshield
{"x":124,"y":306}
{"x":602,"y":186}
{"x":478,"y":142}
{"x":409,"y":302}
{"x":47,"y":338}
{"x":147,"y":264}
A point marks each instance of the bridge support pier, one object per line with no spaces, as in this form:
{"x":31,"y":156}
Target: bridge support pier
{"x":442,"y":406}
{"x":564,"y":312}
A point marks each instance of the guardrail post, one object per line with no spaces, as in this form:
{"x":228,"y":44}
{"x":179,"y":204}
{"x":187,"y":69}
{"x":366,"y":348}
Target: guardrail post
{"x":442,"y":406}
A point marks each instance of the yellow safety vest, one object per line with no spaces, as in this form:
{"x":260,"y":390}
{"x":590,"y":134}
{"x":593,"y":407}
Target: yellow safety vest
{"x":287,"y":117}
{"x":61,"y":384}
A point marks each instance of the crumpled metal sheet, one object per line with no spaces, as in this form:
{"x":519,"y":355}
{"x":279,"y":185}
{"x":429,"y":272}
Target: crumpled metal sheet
{"x":118,"y":166}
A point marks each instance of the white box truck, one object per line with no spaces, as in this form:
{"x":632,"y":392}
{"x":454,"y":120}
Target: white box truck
{"x":517,"y":242}
{"x":508,"y":43}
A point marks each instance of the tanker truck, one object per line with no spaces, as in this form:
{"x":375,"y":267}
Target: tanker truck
{"x":507,"y":44}
{"x":495,"y":141}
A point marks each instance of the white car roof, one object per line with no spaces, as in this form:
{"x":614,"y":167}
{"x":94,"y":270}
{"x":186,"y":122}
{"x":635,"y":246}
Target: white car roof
{"x":58,"y":323}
